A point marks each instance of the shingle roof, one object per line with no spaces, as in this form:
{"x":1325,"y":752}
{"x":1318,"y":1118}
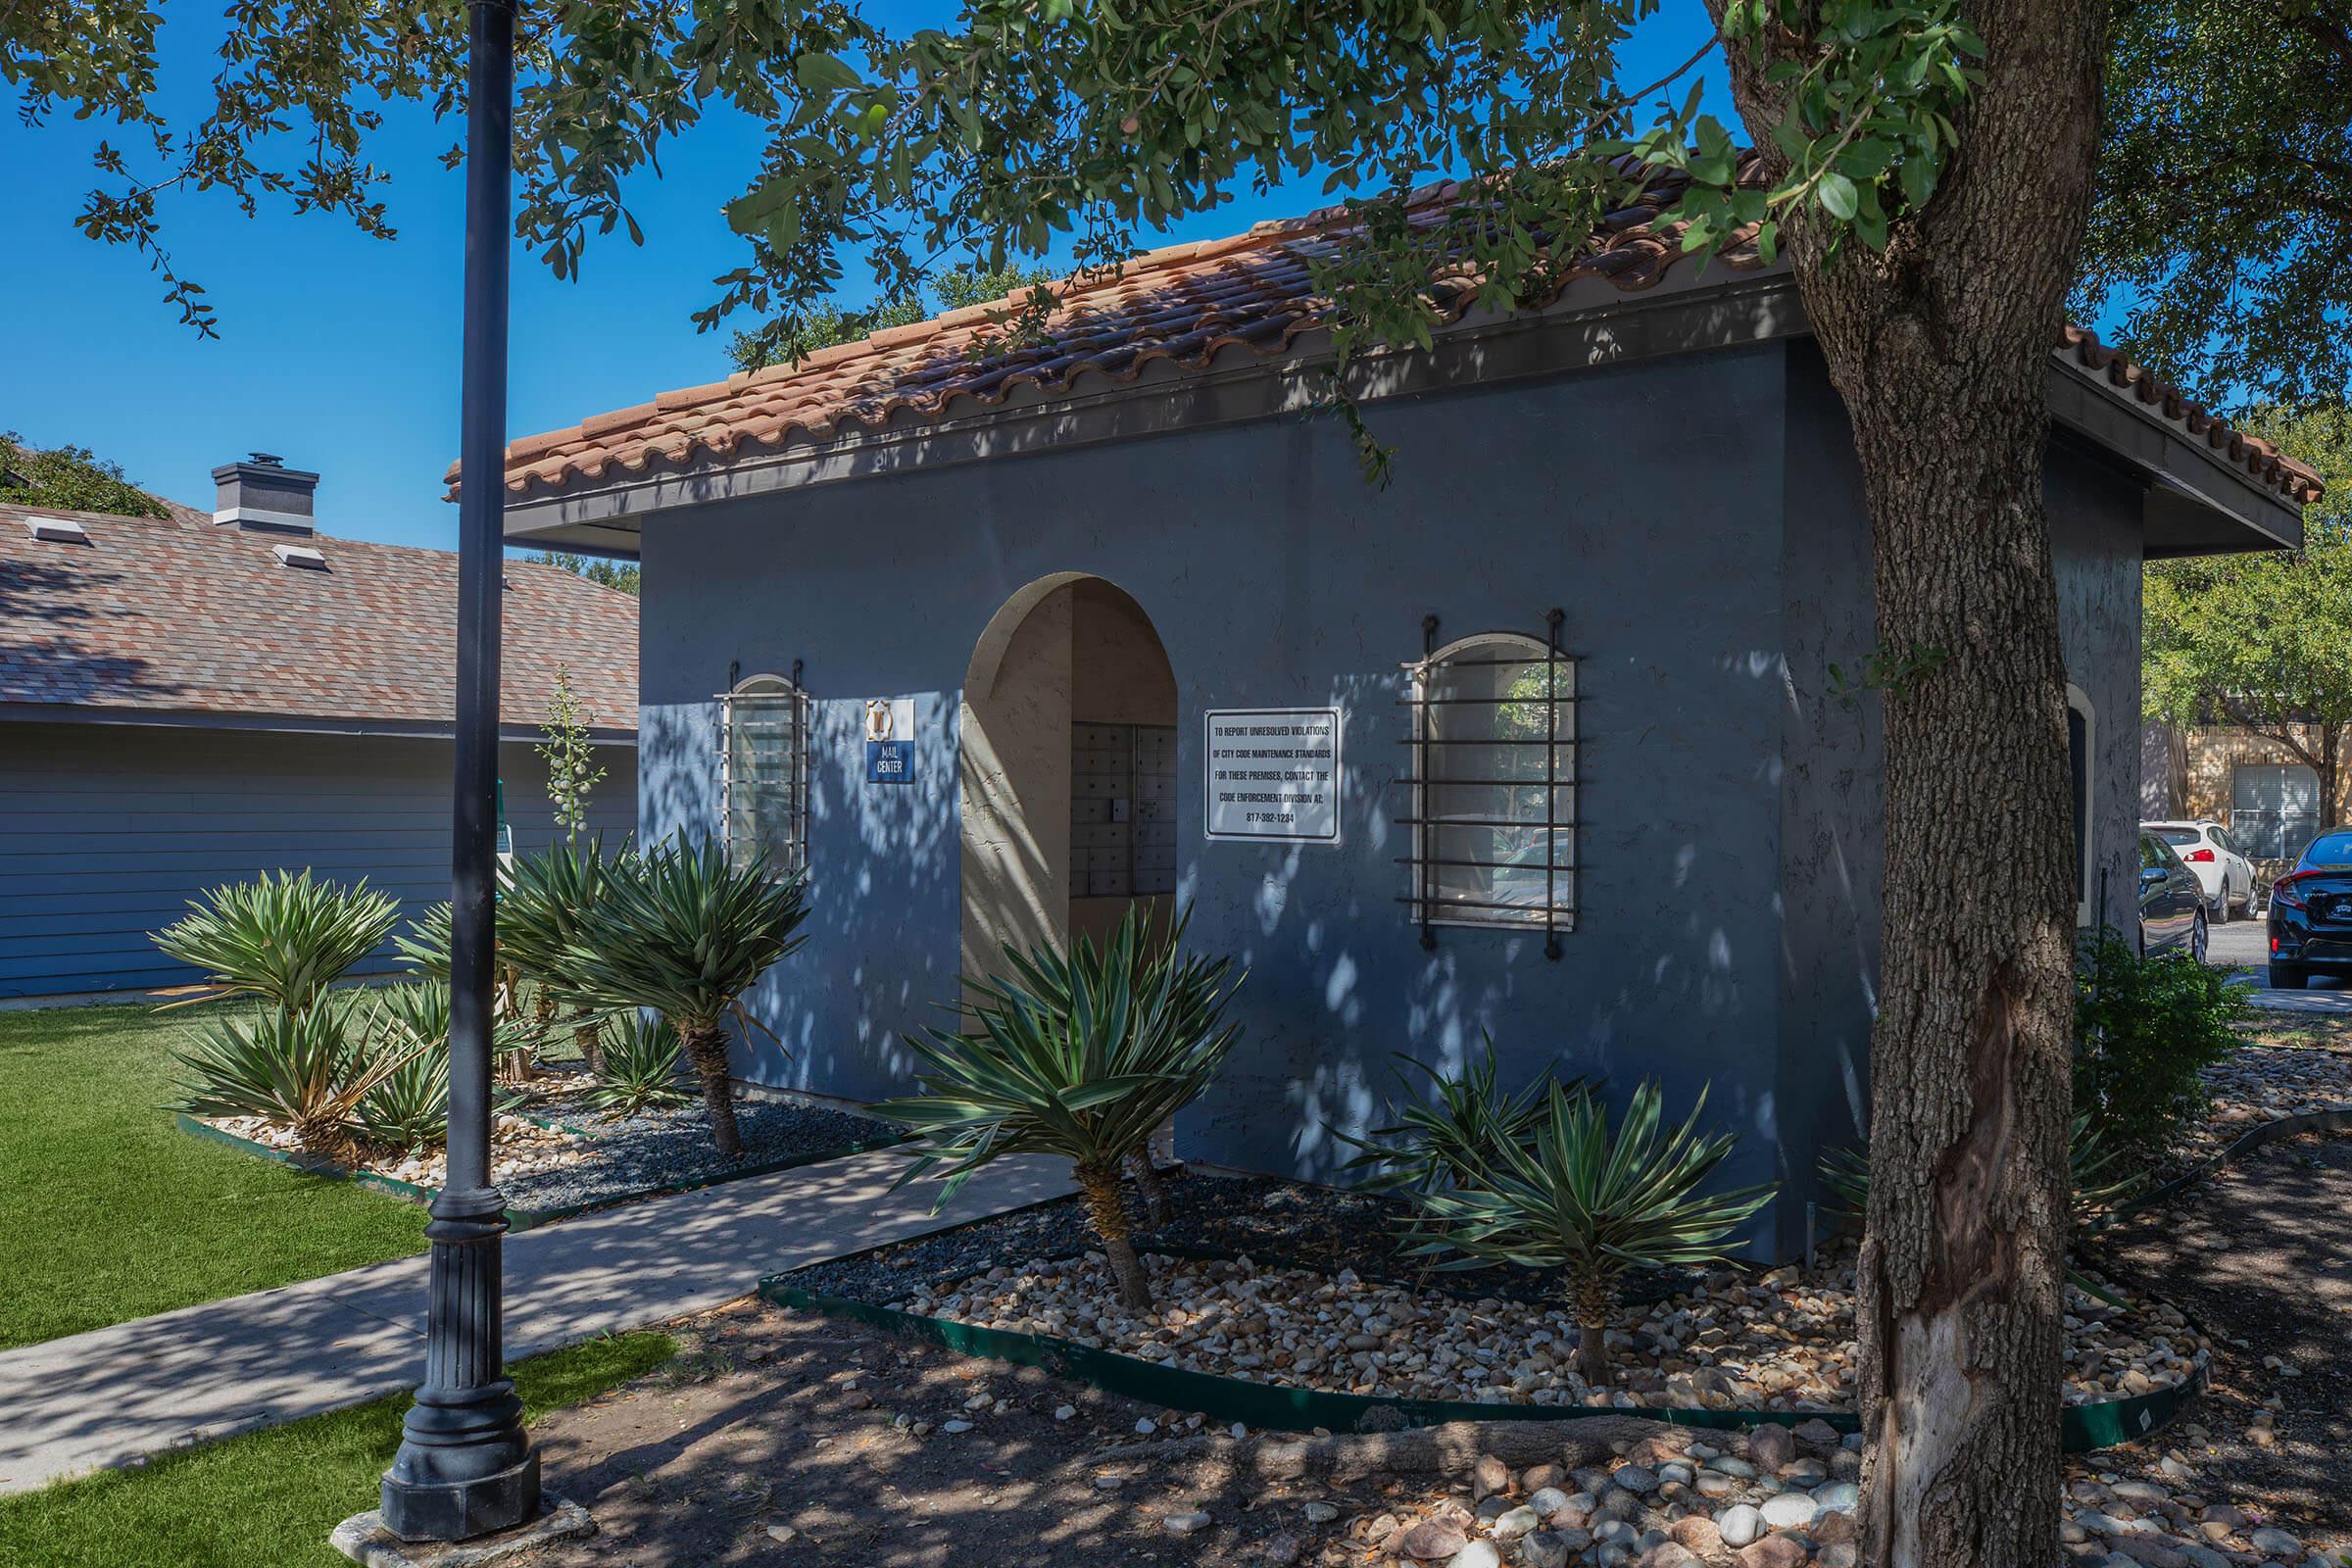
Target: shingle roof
{"x":185,"y":615}
{"x":1182,"y":304}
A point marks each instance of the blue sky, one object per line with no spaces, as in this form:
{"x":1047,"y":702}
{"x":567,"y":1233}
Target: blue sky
{"x":340,"y":352}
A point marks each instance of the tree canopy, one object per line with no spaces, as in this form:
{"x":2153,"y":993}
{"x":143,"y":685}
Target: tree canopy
{"x":2223,"y":229}
{"x":2265,"y":641}
{"x":71,"y":479}
{"x":788,"y":338}
{"x":1028,"y":127}
{"x":622,"y":576}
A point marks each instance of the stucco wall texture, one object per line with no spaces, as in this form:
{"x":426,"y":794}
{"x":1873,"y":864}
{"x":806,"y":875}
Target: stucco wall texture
{"x":1698,"y":519}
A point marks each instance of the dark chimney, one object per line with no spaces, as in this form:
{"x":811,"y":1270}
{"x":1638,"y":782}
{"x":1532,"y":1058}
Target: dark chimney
{"x":264,"y":494}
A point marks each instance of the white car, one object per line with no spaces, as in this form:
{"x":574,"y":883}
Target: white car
{"x":2221,"y":869}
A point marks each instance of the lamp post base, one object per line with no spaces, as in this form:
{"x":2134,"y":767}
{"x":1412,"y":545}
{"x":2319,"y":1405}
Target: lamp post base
{"x":460,"y":1510}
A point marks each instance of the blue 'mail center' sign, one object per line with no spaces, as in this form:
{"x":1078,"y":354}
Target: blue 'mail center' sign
{"x":889,"y":761}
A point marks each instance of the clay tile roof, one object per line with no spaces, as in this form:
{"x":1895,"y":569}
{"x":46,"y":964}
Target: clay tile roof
{"x":1184,"y":304}
{"x":171,"y":614}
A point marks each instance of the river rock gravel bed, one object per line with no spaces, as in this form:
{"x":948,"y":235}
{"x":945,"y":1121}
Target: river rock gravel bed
{"x":1773,"y":1498}
{"x":1777,"y":1340}
{"x":553,"y":1153}
{"x":2262,"y":1082}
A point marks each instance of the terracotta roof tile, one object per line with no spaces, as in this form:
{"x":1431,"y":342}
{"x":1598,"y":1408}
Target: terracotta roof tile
{"x":1182,"y":304}
{"x":186,"y":616}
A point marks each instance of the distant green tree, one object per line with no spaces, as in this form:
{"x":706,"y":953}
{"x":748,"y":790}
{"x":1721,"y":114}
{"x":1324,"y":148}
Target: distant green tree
{"x":619,"y":575}
{"x":70,"y":479}
{"x":788,"y":338}
{"x":2265,"y":641}
{"x":2223,"y":220}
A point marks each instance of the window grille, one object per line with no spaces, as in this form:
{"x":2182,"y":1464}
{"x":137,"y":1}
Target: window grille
{"x":1493,"y":781}
{"x":763,"y":772}
{"x":1122,"y":809}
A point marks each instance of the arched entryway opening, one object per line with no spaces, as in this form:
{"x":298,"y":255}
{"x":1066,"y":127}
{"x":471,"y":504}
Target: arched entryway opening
{"x":1067,"y":770}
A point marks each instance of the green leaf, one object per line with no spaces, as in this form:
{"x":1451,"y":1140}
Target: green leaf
{"x":1836,"y":195}
{"x":823,"y":73}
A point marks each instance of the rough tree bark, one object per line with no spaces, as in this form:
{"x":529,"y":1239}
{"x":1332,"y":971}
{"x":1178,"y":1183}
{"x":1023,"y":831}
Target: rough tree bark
{"x":1941,"y":348}
{"x":706,"y":1048}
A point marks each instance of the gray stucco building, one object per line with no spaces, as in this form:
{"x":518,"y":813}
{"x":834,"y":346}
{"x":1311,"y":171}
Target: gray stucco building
{"x":194,"y":699}
{"x":1112,"y":599}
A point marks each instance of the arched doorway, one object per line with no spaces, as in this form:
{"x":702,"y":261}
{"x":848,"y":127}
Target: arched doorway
{"x":1067,"y":770}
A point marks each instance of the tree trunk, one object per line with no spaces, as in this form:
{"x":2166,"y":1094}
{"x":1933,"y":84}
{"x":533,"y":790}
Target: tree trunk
{"x":1105,"y":1206}
{"x":588,"y":1037}
{"x":1941,"y":348}
{"x":2328,"y":765}
{"x":1148,"y":1184}
{"x":1592,"y":1302}
{"x":706,"y":1048}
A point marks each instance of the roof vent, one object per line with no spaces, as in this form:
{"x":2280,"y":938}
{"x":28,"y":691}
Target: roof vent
{"x":58,"y":531}
{"x":263,"y":493}
{"x":302,"y":556}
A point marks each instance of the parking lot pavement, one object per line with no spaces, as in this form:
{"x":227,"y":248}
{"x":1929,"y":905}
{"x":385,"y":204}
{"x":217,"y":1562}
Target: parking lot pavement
{"x":2244,"y":945}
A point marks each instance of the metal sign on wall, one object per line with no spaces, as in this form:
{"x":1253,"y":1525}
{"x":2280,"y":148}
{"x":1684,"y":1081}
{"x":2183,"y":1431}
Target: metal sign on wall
{"x":890,"y":739}
{"x":1273,"y":773}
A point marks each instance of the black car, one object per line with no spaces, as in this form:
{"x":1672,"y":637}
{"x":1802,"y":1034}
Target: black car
{"x":2171,"y":901}
{"x":2311,"y":913}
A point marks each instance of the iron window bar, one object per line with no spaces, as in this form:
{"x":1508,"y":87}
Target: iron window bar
{"x":793,"y":703}
{"x":1431,"y":905}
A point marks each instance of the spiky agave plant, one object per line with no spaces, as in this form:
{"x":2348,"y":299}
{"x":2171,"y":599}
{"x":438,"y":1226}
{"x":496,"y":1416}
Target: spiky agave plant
{"x":515,"y":1035}
{"x":2099,"y":1176}
{"x":639,"y":1068}
{"x":1080,"y":1057}
{"x":542,"y":910}
{"x":283,"y":938}
{"x":1594,"y":1202}
{"x":1435,"y":1142}
{"x":683,"y":931}
{"x":409,"y":1110}
{"x":300,"y":1069}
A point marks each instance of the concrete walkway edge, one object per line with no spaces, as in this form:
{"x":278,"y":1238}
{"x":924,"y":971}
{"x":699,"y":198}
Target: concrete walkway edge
{"x":114,"y":1395}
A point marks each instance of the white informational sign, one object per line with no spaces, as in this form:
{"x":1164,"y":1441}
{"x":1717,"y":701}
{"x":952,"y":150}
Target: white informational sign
{"x":1274,"y":773}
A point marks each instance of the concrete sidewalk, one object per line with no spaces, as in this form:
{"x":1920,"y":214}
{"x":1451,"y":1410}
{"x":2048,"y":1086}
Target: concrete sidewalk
{"x":103,"y":1397}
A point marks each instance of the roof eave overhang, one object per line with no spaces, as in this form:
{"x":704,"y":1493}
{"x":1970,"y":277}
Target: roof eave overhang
{"x":273,"y":723}
{"x":1594,"y":323}
{"x":2200,"y":503}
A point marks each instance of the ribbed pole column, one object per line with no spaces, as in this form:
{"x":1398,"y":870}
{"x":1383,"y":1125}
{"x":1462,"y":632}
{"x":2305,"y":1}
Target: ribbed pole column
{"x":465,"y":1467}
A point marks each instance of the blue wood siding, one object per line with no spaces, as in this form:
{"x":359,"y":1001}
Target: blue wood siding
{"x":107,"y":832}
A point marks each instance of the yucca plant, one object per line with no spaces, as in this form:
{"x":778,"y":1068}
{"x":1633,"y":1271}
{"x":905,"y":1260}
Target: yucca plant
{"x":515,"y":1035}
{"x":541,"y":910}
{"x":409,"y":1110}
{"x":1436,"y":1142}
{"x":1594,"y":1202}
{"x":300,"y":1069}
{"x":685,"y":932}
{"x":2099,"y":1175}
{"x":1081,"y":1058}
{"x":283,"y":938}
{"x":640,"y":1069}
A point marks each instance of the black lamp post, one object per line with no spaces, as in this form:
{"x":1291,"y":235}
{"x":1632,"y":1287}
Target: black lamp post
{"x":465,"y":1466}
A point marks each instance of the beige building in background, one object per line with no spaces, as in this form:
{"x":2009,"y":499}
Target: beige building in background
{"x":2265,"y":793}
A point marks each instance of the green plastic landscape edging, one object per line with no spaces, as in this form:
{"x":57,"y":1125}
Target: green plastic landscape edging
{"x":2085,"y":1427}
{"x":523,"y":1219}
{"x":2336,"y":1120}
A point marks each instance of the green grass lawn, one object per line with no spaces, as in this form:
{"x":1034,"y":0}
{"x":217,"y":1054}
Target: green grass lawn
{"x":109,"y":1212}
{"x":267,"y":1499}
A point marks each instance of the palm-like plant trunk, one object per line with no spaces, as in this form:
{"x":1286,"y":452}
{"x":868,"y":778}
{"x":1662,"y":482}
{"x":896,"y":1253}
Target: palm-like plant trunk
{"x":1105,"y":1206}
{"x":586,"y":1036}
{"x":706,"y":1048}
{"x":1593,"y":1302}
{"x":1148,"y":1184}
{"x":322,"y":1135}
